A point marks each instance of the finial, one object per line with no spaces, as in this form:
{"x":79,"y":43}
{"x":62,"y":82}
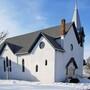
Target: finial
{"x":76,"y":5}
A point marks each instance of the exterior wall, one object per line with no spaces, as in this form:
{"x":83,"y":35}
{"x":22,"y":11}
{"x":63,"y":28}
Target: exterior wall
{"x":77,"y":51}
{"x":62,"y":59}
{"x":8,"y":53}
{"x":36,"y":57}
{"x":59,"y":66}
{"x":1,"y":67}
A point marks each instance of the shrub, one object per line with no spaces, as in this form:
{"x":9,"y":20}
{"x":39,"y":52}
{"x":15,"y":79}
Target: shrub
{"x":74,"y":80}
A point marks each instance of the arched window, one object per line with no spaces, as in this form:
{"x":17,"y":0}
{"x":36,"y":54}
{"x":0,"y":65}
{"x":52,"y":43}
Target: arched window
{"x":10,"y":67}
{"x":23,"y":67}
{"x":45,"y":62}
{"x":6,"y":61}
{"x":36,"y":68}
{"x":4,"y":64}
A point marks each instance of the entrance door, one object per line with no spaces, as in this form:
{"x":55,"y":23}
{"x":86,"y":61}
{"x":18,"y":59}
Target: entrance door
{"x":71,"y":67}
{"x":70,"y":72}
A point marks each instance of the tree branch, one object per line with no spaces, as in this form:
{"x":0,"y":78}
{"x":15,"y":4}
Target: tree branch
{"x":3,"y":35}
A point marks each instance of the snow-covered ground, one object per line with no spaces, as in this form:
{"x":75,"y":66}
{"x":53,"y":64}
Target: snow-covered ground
{"x":26,"y":85}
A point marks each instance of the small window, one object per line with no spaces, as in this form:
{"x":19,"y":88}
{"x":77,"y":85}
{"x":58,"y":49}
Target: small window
{"x":36,"y":68}
{"x":42,"y":45}
{"x":10,"y":67}
{"x":23,"y":67}
{"x":4,"y":64}
{"x":71,"y":47}
{"x":45,"y":62}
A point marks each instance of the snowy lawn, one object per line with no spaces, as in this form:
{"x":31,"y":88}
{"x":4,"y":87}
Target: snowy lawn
{"x":26,"y":85}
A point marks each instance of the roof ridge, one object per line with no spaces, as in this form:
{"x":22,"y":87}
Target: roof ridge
{"x":37,"y":31}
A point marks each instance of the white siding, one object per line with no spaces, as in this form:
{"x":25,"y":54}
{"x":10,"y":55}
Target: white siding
{"x":62,"y":59}
{"x":38,"y":57}
{"x":59,"y":67}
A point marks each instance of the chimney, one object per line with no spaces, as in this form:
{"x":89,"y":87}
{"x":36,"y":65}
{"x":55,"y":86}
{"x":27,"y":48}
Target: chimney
{"x":62,"y":33}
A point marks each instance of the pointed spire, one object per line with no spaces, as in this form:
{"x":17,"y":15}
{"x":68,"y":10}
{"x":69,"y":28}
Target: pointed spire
{"x":76,"y":5}
{"x":76,"y":18}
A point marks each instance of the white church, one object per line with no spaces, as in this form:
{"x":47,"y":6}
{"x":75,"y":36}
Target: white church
{"x":49,"y":55}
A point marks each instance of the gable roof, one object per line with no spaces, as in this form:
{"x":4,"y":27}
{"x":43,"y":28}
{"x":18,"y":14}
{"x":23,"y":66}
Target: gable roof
{"x":50,"y":39}
{"x":14,"y":48}
{"x":24,"y":43}
{"x":53,"y":43}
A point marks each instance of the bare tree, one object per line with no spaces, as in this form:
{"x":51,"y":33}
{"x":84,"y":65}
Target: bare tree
{"x":88,"y":62}
{"x":3,"y":35}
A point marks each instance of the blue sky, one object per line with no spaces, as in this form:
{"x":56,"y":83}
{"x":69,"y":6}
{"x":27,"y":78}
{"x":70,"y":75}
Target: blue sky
{"x":24,"y":16}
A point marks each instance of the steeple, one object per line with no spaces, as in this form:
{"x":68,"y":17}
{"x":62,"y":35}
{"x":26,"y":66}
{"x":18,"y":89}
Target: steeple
{"x":76,"y":18}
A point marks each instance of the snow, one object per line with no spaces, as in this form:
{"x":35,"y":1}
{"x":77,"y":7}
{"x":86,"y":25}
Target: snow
{"x":27,"y":85}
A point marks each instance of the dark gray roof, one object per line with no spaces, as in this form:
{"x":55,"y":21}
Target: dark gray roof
{"x":50,"y":39}
{"x":54,"y":43}
{"x":23,"y":43}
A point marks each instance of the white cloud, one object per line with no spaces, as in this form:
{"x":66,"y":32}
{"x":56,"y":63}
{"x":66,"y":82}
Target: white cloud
{"x":38,"y":17}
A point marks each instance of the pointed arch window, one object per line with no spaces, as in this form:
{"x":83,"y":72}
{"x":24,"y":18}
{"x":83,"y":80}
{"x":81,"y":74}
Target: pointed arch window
{"x":23,"y":65}
{"x":4,"y":64}
{"x":6,"y":61}
{"x":36,"y":68}
{"x":71,"y":67}
{"x":10,"y":67}
{"x":7,"y":64}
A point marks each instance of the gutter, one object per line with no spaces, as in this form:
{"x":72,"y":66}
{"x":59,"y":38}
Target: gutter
{"x":22,"y":53}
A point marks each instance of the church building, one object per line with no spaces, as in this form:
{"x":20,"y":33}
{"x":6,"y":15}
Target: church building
{"x":49,"y":55}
